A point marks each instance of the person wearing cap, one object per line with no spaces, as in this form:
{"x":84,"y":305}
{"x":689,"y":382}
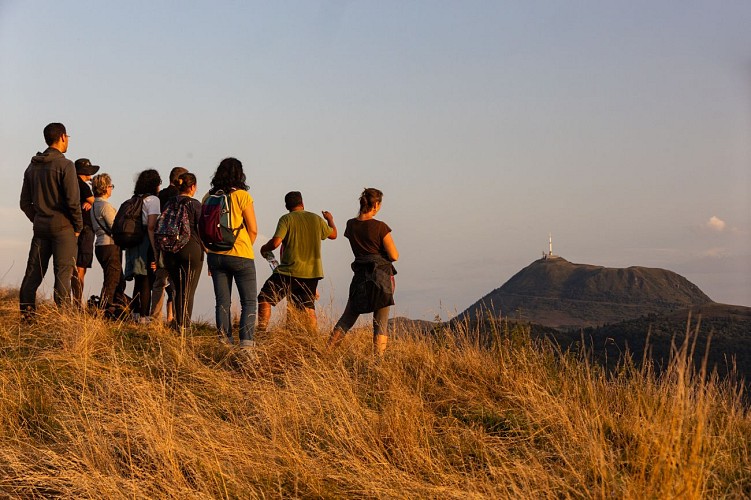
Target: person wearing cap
{"x":85,"y":255}
{"x":50,"y":200}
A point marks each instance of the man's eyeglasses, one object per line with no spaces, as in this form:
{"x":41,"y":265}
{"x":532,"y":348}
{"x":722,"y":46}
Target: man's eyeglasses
{"x":111,"y":186}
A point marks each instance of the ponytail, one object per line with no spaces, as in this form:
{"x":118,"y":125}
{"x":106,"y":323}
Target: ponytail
{"x":369,"y":198}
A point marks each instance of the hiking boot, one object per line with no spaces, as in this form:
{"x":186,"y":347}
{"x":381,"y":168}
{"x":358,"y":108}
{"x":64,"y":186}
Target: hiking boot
{"x":248,"y":343}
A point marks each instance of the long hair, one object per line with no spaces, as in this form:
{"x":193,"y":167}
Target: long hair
{"x":147,"y":182}
{"x":229,"y":175}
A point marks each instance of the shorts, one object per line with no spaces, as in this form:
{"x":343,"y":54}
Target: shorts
{"x":300,"y":291}
{"x":85,"y":255}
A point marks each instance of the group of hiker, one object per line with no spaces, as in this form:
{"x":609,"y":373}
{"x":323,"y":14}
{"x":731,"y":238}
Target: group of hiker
{"x":163,"y":235}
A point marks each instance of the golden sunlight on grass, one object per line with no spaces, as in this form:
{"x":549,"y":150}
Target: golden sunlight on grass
{"x":95,"y":409}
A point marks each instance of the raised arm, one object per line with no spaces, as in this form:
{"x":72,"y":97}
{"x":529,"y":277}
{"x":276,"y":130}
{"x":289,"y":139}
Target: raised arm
{"x":330,"y":221}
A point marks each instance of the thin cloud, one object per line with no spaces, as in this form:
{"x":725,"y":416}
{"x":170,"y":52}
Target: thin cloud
{"x":716,"y":224}
{"x":715,"y":253}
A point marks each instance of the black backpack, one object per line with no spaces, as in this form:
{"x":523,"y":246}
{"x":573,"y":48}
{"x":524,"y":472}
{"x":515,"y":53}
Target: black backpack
{"x":127,"y":229}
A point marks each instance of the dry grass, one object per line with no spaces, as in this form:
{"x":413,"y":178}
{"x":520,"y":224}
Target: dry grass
{"x":91,"y":409}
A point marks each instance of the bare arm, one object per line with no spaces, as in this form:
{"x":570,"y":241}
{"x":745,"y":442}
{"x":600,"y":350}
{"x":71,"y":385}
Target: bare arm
{"x":87,"y":204}
{"x":150,"y":228}
{"x":391,"y":252}
{"x":249,"y":216}
{"x":271,"y":245}
{"x":330,"y":221}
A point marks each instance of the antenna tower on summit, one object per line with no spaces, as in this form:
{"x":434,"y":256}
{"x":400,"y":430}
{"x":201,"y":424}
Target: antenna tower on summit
{"x":550,"y":254}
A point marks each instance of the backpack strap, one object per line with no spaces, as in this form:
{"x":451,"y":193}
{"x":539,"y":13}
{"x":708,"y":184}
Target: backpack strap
{"x":100,"y":219}
{"x":236,"y":231}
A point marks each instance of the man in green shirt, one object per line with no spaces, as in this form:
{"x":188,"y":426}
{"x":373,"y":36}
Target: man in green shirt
{"x":296,"y":278}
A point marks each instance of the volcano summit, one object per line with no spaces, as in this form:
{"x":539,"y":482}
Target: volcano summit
{"x":557,"y":293}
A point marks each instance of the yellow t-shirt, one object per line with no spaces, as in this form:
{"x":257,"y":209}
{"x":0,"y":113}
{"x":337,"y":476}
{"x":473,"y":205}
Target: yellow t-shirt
{"x":239,"y":199}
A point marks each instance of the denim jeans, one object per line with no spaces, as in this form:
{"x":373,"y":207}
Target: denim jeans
{"x":225,"y":268}
{"x":161,"y":285}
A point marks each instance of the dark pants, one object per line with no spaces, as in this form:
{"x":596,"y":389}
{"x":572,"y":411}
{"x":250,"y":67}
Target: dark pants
{"x":62,"y":247}
{"x":142,"y":292}
{"x":301,"y":292}
{"x":113,"y":286}
{"x":184,"y":269}
{"x":349,"y":317}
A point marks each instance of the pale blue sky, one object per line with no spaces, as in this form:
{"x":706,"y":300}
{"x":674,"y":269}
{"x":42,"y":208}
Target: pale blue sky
{"x":621,"y":127}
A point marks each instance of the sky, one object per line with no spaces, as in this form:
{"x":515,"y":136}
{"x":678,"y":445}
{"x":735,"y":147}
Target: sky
{"x":622,"y":127}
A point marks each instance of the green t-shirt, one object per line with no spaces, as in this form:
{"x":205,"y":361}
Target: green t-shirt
{"x":301,"y":233}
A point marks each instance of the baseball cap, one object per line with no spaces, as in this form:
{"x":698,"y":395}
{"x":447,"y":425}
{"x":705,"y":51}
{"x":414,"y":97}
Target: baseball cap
{"x":84,"y":167}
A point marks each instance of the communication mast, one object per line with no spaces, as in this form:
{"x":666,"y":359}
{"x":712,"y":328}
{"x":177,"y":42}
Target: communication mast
{"x":550,"y":254}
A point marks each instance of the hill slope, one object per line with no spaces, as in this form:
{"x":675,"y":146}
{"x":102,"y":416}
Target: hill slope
{"x":721,"y":331}
{"x":91,"y":409}
{"x":557,"y":293}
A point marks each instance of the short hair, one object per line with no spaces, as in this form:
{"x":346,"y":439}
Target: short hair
{"x":147,"y":182}
{"x":369,"y":198}
{"x":185,"y":182}
{"x":229,"y":175}
{"x":53,"y":132}
{"x":175,"y":174}
{"x":292,"y":199}
{"x":100,"y":183}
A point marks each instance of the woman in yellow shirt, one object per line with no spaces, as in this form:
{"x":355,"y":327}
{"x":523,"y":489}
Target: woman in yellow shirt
{"x":237,"y":263}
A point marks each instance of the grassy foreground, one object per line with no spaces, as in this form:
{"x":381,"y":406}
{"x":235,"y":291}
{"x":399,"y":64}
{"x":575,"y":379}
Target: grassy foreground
{"x":91,"y":409}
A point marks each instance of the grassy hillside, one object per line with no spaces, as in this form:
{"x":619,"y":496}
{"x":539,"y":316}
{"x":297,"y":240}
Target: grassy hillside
{"x":90,"y":409}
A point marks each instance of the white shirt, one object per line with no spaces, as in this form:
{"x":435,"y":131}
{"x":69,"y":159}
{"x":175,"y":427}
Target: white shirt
{"x":151,"y":206}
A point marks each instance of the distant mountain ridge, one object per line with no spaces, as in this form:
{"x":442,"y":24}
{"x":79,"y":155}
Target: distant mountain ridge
{"x":557,"y":293}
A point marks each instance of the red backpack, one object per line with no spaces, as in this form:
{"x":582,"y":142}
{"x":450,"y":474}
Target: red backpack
{"x":215,"y":224}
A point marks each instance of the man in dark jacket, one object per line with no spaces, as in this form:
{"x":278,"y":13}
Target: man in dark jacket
{"x":50,"y":199}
